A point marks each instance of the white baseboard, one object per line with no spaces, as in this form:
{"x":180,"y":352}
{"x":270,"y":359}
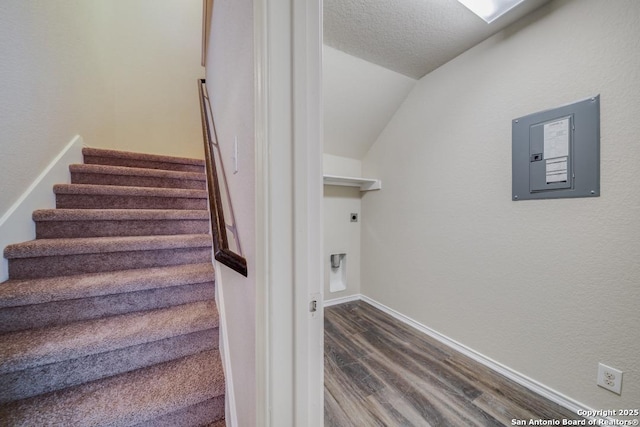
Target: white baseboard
{"x":342,"y":300}
{"x":16,"y":225}
{"x":523,"y":380}
{"x":231,"y":415}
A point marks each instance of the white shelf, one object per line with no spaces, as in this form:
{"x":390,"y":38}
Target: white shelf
{"x":365,"y":184}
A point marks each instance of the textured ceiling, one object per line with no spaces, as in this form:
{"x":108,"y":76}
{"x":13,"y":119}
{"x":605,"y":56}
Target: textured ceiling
{"x":412,"y":37}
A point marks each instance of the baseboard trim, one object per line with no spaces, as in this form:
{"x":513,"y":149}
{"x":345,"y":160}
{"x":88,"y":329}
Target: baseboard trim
{"x":342,"y":300}
{"x":231,"y":415}
{"x":16,"y":224}
{"x":523,"y":380}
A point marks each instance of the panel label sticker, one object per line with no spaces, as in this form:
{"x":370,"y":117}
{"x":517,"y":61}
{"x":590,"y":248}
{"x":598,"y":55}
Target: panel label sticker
{"x":557,"y":169}
{"x":556,"y":139}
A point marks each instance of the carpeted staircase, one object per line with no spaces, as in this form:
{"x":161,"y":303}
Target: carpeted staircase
{"x":108,"y":318}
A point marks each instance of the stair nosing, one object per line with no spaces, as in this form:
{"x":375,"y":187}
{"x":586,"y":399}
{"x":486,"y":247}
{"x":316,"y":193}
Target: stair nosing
{"x":133,"y":171}
{"x":87,"y":245}
{"x":101,"y":152}
{"x":33,"y":347}
{"x":121,"y":190}
{"x":21,"y":292}
{"x":70,"y":214}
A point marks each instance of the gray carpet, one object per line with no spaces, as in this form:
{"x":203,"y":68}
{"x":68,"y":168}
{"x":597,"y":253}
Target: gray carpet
{"x":109,"y":318}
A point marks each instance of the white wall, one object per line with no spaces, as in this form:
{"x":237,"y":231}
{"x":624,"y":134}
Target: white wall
{"x":548,"y":288}
{"x":54,"y":84}
{"x":340,"y":234}
{"x":122,"y":74}
{"x":230,"y":82}
{"x":359,"y":99}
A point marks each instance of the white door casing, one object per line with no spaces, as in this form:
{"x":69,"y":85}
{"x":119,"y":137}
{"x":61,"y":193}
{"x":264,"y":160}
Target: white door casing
{"x":288,"y":49}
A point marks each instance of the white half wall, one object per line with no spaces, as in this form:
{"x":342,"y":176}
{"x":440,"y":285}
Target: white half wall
{"x":17,"y":225}
{"x":359,"y":99}
{"x":547,"y":288}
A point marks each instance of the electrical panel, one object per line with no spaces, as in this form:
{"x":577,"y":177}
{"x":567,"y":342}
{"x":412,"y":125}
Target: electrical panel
{"x":556,"y":153}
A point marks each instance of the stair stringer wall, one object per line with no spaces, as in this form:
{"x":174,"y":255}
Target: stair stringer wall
{"x":16,"y":224}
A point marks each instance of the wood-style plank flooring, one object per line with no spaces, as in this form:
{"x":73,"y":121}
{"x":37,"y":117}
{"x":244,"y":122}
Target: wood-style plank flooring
{"x":381,"y":372}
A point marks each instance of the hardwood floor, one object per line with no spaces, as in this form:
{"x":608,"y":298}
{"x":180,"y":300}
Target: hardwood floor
{"x":381,"y":372}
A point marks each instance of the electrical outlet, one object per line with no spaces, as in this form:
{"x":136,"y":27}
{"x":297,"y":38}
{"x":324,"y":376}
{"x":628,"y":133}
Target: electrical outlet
{"x":610,"y":378}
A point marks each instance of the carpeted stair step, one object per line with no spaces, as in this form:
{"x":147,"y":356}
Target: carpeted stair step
{"x":58,"y":257}
{"x":38,"y":347}
{"x":140,"y":160}
{"x":16,"y":293}
{"x":62,"y":312}
{"x":88,"y":196}
{"x":126,"y":399}
{"x":199,"y":414}
{"x":65,"y":223}
{"x":136,"y":177}
{"x":53,"y":301}
{"x":68,"y":373}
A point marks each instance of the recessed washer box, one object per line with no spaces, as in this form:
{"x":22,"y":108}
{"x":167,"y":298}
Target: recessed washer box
{"x":556,"y":153}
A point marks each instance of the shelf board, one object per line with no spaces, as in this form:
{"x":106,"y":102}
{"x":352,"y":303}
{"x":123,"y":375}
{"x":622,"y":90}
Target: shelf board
{"x":365,"y":184}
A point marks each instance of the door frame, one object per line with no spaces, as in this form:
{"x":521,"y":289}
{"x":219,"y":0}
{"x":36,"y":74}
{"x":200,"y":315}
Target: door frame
{"x":288,"y":73}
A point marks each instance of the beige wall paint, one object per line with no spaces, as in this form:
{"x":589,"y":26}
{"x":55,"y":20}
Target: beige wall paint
{"x":340,"y":234}
{"x":359,"y":99}
{"x":548,"y":288}
{"x":54,"y":84}
{"x":122,"y":74}
{"x":341,"y":166}
{"x":230,"y":82}
{"x":156,"y":61}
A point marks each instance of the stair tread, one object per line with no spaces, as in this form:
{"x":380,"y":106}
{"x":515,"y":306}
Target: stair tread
{"x":132,"y":171}
{"x":118,"y":190}
{"x":202,"y":414}
{"x":101,"y":152}
{"x":36,"y":347}
{"x":127,"y":398}
{"x":87,"y":245}
{"x":119,"y":214}
{"x":14,"y":293}
{"x":69,"y":373}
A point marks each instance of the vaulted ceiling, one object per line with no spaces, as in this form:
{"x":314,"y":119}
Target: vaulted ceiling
{"x":412,"y":37}
{"x":377,"y":51}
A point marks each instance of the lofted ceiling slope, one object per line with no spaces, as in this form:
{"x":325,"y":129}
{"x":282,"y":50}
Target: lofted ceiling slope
{"x":411,"y":37}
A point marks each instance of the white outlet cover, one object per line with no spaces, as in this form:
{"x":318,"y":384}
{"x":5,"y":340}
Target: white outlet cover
{"x":609,"y":378}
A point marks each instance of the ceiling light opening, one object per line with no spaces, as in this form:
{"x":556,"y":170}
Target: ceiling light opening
{"x":490,"y":10}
